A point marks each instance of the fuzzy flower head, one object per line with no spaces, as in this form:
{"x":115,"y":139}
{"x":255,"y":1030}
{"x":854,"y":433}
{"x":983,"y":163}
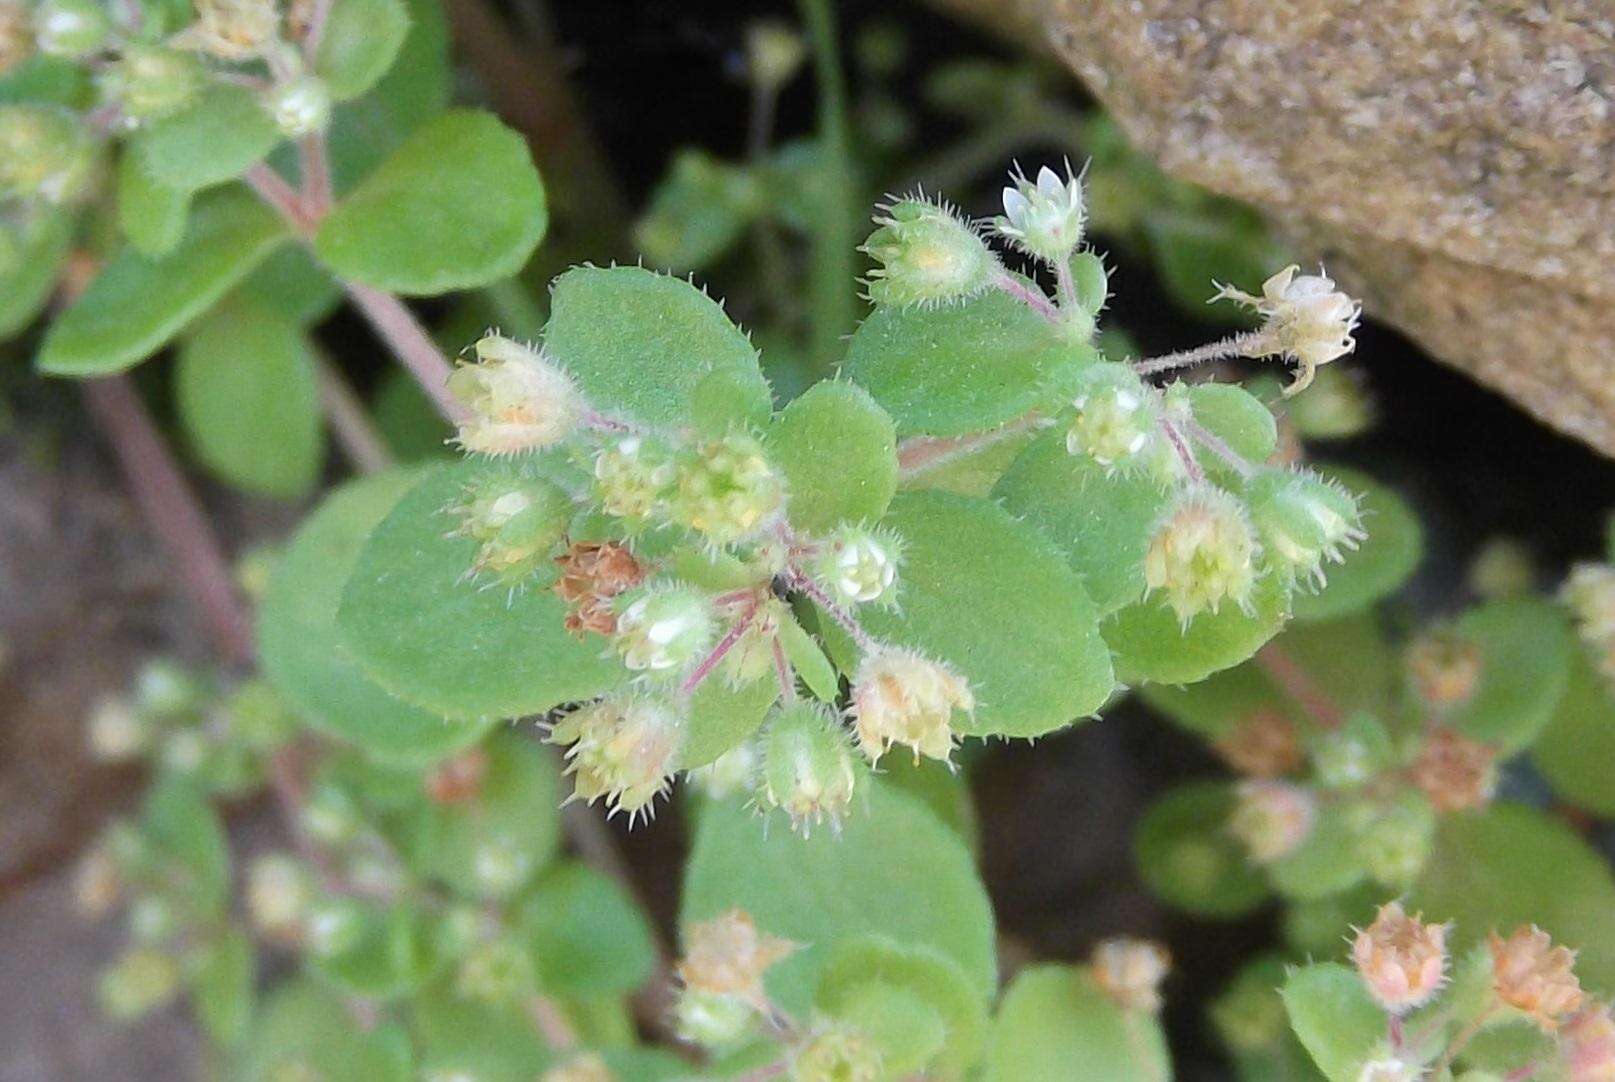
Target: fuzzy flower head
{"x":518,"y":399}
{"x":518,"y":523}
{"x":1401,"y":959}
{"x":1303,"y":520}
{"x":727,"y":491}
{"x":1272,"y":819}
{"x":665,"y":628}
{"x":1262,"y":744}
{"x":1117,"y":418}
{"x":624,"y":748}
{"x":232,"y":30}
{"x":1455,"y":772}
{"x":149,"y":82}
{"x":632,"y":477}
{"x":1588,"y":1044}
{"x":46,"y":155}
{"x":858,"y":565}
{"x":1130,"y":972}
{"x":1045,"y":219}
{"x":900,"y":697}
{"x":592,"y":574}
{"x":300,"y":106}
{"x":727,"y":956}
{"x":838,"y":1054}
{"x":1304,"y":317}
{"x":807,"y":769}
{"x":73,"y":29}
{"x":925,"y":254}
{"x":1202,"y":554}
{"x":1444,"y":668}
{"x":1532,"y":975}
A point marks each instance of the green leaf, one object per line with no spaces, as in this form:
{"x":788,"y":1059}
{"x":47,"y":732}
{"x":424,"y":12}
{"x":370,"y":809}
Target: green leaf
{"x":1525,"y":648}
{"x":727,"y":399}
{"x":721,"y":717}
{"x":136,"y":304}
{"x":942,"y":789}
{"x":300,"y":650}
{"x":988,"y":595}
{"x":809,"y":661}
{"x":458,"y":205}
{"x":1239,"y":418}
{"x":152,"y":214}
{"x":408,"y":420}
{"x":26,"y":286}
{"x":1055,"y":1024}
{"x":933,"y":978}
{"x":291,"y":284}
{"x":838,"y":451}
{"x":431,"y":636}
{"x":641,"y":343}
{"x":1512,"y":865}
{"x":963,"y":367}
{"x":1187,"y":857}
{"x":305,"y":1031}
{"x":1325,"y":863}
{"x":1338,"y":1023}
{"x":221,"y":983}
{"x":212,"y":141}
{"x":586,"y":936}
{"x":514,"y":815}
{"x":1575,"y":750}
{"x":894,"y":872}
{"x":249,"y":400}
{"x":188,"y":841}
{"x":1383,"y":562}
{"x":466,"y":1038}
{"x":1102,"y":523}
{"x":397,"y":952}
{"x":360,"y":41}
{"x":1150,"y":644}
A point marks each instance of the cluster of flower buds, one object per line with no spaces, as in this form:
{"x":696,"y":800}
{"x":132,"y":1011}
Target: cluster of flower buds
{"x":1304,"y":318}
{"x":622,"y":748}
{"x":1402,"y":959}
{"x":727,"y":491}
{"x":1203,"y":553}
{"x":1590,"y":594}
{"x":722,"y":977}
{"x":1116,"y":422}
{"x":518,"y":522}
{"x":859,"y":566}
{"x":901,"y":697}
{"x":926,"y":254}
{"x":1303,"y":520}
{"x":807,"y":769}
{"x":1443,"y":668}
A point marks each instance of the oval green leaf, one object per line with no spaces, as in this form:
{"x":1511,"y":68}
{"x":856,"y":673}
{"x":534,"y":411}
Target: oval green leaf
{"x":838,"y":450}
{"x":1056,"y":1024}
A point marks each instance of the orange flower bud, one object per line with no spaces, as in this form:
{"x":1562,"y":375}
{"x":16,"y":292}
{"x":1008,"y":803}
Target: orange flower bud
{"x":1532,"y":975}
{"x":1401,"y":959}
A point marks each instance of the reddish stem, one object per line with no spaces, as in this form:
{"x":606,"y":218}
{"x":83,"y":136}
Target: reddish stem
{"x":1185,"y":453}
{"x":1298,"y":684}
{"x":719,"y":652}
{"x":1032,"y":297}
{"x":410,"y":343}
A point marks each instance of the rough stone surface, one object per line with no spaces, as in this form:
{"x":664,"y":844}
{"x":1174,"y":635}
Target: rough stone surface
{"x":1456,"y":157}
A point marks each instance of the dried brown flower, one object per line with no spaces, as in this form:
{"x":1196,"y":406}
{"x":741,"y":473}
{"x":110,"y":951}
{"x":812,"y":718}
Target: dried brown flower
{"x":1262,"y":744}
{"x":1532,"y":975}
{"x":1455,"y":772}
{"x":1444,"y":668}
{"x":592,"y":574}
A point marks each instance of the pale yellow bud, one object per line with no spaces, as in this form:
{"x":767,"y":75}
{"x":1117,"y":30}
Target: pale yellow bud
{"x":1532,"y":975}
{"x":727,"y":956}
{"x":899,"y":697}
{"x":1401,"y":959}
{"x":1130,"y":972}
{"x":518,"y":398}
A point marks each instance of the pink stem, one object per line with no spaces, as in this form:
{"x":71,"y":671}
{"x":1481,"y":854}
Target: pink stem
{"x":841,"y":616}
{"x":410,"y":343}
{"x":272,"y":188}
{"x":1297,"y":683}
{"x":1185,"y":453}
{"x":783,"y":671}
{"x":921,"y":454}
{"x":316,"y":175}
{"x":360,"y":441}
{"x":1033,"y":298}
{"x":719,"y":652}
{"x":1232,"y":346}
{"x":1219,"y":447}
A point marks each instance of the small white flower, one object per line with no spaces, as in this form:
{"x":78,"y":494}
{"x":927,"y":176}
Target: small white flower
{"x":1045,"y":219}
{"x":300,"y":107}
{"x":1304,"y":317}
{"x":859,"y":566}
{"x":519,"y":400}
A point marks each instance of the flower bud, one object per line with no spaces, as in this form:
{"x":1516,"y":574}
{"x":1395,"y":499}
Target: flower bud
{"x":1262,"y":744}
{"x":1303,"y":520}
{"x":1444,"y":668}
{"x":665,"y":628}
{"x":727,"y":956}
{"x":1347,"y":757}
{"x":517,"y":522}
{"x":232,"y":30}
{"x":1045,"y":219}
{"x":332,"y":926}
{"x":1130,"y":972}
{"x":727,"y":491}
{"x":71,"y":28}
{"x":623,"y":748}
{"x":859,"y":566}
{"x":807,"y":768}
{"x":501,"y":866}
{"x":1455,"y":772}
{"x":632,"y":477}
{"x":900,"y":697}
{"x":139,"y":983}
{"x":1272,"y":819}
{"x":774,"y":52}
{"x":735,"y":771}
{"x":593,"y":573}
{"x":1202,"y":553}
{"x":838,"y":1055}
{"x":712,"y":1021}
{"x":277,"y":893}
{"x":1402,"y":960}
{"x":926,"y":255}
{"x":300,"y":106}
{"x":117,"y":732}
{"x":519,"y":400}
{"x":1305,"y":318}
{"x":1532,"y":975}
{"x":1588,"y":1043}
{"x":498,"y":970}
{"x":46,"y":155}
{"x":1394,"y":840}
{"x":149,"y":82}
{"x":1117,"y":423}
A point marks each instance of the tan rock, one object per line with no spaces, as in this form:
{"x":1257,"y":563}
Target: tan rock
{"x":1454,"y":159}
